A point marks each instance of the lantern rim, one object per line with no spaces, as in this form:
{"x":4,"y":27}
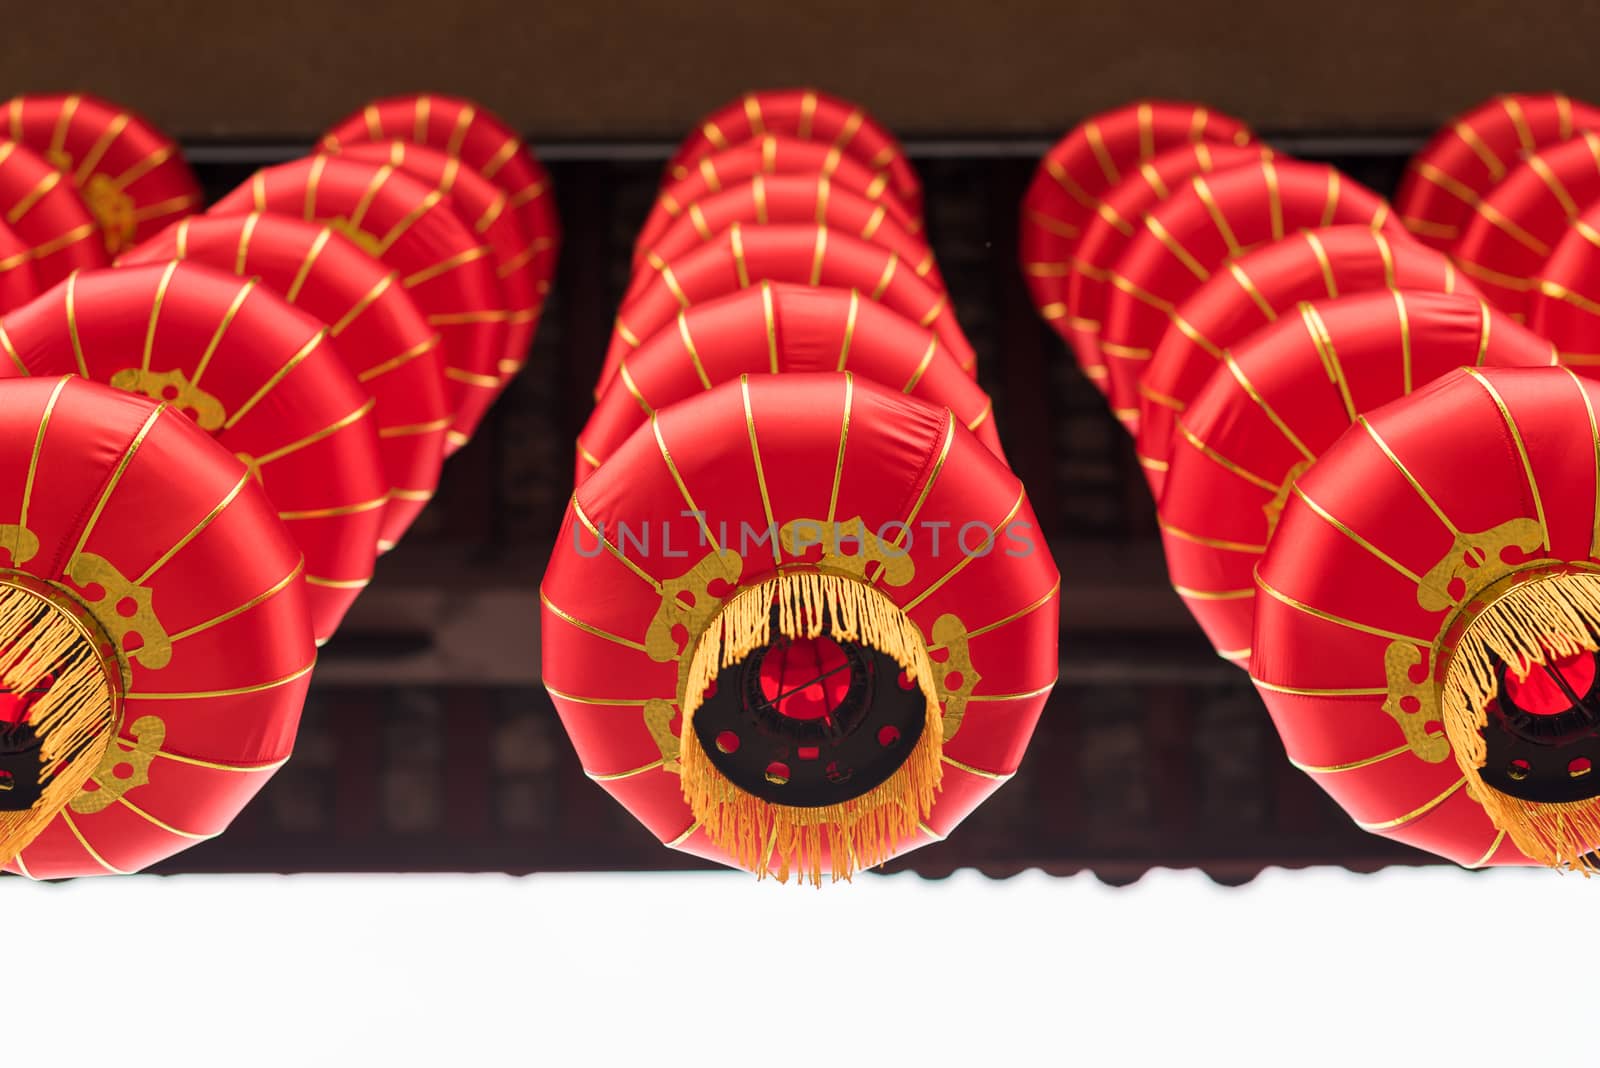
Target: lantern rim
{"x":61,"y":599}
{"x":65,"y":733}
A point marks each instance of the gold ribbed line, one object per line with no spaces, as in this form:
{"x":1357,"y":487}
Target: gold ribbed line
{"x":1370,"y":548}
{"x":761,"y":477}
{"x":1415,"y":814}
{"x":1522,"y":451}
{"x":1329,"y":617}
{"x":1405,"y":473}
{"x":578,"y":513}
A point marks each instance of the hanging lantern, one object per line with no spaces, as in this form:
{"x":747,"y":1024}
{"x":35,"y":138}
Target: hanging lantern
{"x":805,"y":115}
{"x":1566,"y":305}
{"x":412,"y":230}
{"x":803,"y":255}
{"x":780,"y":329}
{"x":1475,"y":152}
{"x":1338,"y":261}
{"x":1081,"y":168}
{"x":1199,"y":230}
{"x":376,"y":329}
{"x":768,"y":155}
{"x":130,"y":734}
{"x":1279,"y":400}
{"x":48,"y":215}
{"x":1428,"y":611}
{"x":1507,"y":241}
{"x":1109,"y":232}
{"x":132,"y":176}
{"x":759,"y":648}
{"x":248,"y":368}
{"x":483,"y":141}
{"x":785,"y":198}
{"x":481,"y":206}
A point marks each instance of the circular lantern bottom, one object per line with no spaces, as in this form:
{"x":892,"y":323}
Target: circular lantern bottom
{"x":1529,"y":758}
{"x":838,"y":765}
{"x":60,"y":699}
{"x":811,"y":722}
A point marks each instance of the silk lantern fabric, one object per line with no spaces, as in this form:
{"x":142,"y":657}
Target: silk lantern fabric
{"x":757,"y":454}
{"x":259,"y":375}
{"x":481,"y":206}
{"x":48,"y":215}
{"x":1566,"y":305}
{"x":132,"y":176}
{"x":1113,"y":227}
{"x":412,"y":229}
{"x":480,"y":139}
{"x":785,"y":198}
{"x":1340,"y":588}
{"x":768,"y":155}
{"x":1251,"y":295}
{"x":805,"y":115}
{"x":376,"y":329}
{"x":1279,"y":401}
{"x":1093,"y":158}
{"x":118,"y":499}
{"x":804,"y":255}
{"x":1475,"y":152}
{"x":780,"y":329}
{"x":1198,"y":231}
{"x":19,"y":280}
{"x":1507,"y":241}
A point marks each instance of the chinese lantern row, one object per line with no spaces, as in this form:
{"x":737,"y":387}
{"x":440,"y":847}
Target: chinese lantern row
{"x":1377,"y":490}
{"x":209,"y":442}
{"x":799,"y":617}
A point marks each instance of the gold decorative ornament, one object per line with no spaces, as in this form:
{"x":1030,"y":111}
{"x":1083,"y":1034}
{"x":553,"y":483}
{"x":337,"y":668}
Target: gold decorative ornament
{"x":797,"y":535}
{"x":175,"y":388}
{"x":155,"y":652}
{"x":150,"y":732}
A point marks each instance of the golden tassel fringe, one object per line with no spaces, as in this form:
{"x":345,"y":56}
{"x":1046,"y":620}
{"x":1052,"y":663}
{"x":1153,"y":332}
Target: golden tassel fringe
{"x":75,"y":717}
{"x":1532,"y":624}
{"x":773,"y":839}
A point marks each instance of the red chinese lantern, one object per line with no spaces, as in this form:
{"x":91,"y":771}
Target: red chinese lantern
{"x":785,"y":198}
{"x":1278,"y":402}
{"x":804,"y":255}
{"x":1081,"y":168}
{"x":768,"y":155}
{"x":132,"y":176}
{"x":806,"y":115}
{"x":1111,"y":230}
{"x":1250,"y":295}
{"x":154,"y":640}
{"x":1428,"y":609}
{"x":42,"y":206}
{"x":1475,"y":152}
{"x":480,"y":139}
{"x":1566,"y":305}
{"x":376,"y":328}
{"x":1212,"y":221}
{"x":758,"y":647}
{"x":481,"y":206}
{"x":412,"y":230}
{"x":1507,"y":241}
{"x":780,"y":329}
{"x":256,"y":373}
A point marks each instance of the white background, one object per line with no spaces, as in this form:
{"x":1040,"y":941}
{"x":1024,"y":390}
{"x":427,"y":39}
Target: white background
{"x":1424,"y":966}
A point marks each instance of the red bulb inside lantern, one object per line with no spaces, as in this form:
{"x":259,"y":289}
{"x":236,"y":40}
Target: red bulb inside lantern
{"x":1541,"y":695}
{"x":805,"y":678}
